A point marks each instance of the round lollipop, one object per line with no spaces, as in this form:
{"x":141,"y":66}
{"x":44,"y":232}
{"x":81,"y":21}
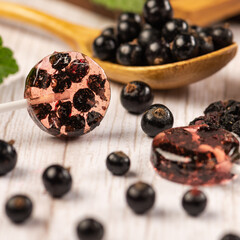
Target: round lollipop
{"x":66,"y":94}
{"x":196,"y":155}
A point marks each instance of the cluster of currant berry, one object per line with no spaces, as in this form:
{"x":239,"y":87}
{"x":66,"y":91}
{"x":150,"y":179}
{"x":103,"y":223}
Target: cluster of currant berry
{"x":158,"y":39}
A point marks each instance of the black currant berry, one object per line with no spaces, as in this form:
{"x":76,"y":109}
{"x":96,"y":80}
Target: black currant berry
{"x":84,"y":100}
{"x":136,"y":97}
{"x":90,"y":229}
{"x":158,"y":53}
{"x":156,"y":119}
{"x":222,"y":37}
{"x":132,"y":17}
{"x":130,"y":55}
{"x":78,"y":69}
{"x":230,"y":236}
{"x":157,"y":12}
{"x":174,"y":27}
{"x":185,"y":46}
{"x":194,"y":202}
{"x":148,"y":36}
{"x":118,"y":163}
{"x":205,"y":45}
{"x":57,"y":180}
{"x":108,"y":32}
{"x":104,"y":47}
{"x":196,"y":29}
{"x":8,"y":157}
{"x":128,"y":30}
{"x":59,"y":60}
{"x":19,"y":208}
{"x":140,"y":197}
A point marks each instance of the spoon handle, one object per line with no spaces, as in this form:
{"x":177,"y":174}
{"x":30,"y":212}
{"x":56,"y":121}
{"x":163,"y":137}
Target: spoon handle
{"x":65,"y":30}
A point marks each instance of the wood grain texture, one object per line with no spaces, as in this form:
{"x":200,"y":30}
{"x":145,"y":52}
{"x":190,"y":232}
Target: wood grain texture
{"x":95,"y":191}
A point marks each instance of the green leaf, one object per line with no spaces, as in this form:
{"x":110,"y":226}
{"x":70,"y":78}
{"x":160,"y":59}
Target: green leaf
{"x":8,"y":64}
{"x":123,"y":5}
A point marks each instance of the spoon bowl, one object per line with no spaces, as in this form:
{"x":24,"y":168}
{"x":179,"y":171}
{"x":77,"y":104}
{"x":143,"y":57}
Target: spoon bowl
{"x":80,"y":38}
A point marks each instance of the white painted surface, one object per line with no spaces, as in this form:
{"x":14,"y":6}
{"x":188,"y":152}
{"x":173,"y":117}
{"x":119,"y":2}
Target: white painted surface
{"x":95,"y":191}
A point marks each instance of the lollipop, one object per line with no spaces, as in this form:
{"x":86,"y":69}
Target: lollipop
{"x":66,"y":94}
{"x":196,"y":155}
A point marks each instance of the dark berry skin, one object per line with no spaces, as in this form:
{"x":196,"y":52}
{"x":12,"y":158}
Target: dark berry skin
{"x":236,"y":128}
{"x":136,"y":97}
{"x":205,"y":45}
{"x":42,"y":110}
{"x":174,"y":27}
{"x":59,"y":60}
{"x":60,"y":82}
{"x":57,"y":180}
{"x":157,"y":12}
{"x":148,"y":36}
{"x":157,"y":119}
{"x":222,"y":37}
{"x":130,"y":55}
{"x":118,"y":163}
{"x":64,"y":110}
{"x":158,"y":53}
{"x":19,"y":208}
{"x":90,"y":229}
{"x":8,"y":157}
{"x":96,"y":83}
{"x":185,"y":46}
{"x":128,"y":30}
{"x":110,"y":32}
{"x":140,"y":197}
{"x":132,"y":17}
{"x":194,"y":202}
{"x":230,"y":236}
{"x":84,"y":100}
{"x":104,"y":47}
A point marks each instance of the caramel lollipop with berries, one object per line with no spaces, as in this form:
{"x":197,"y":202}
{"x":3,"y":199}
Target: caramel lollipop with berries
{"x":66,"y":94}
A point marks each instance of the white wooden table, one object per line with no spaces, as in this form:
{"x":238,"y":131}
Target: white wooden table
{"x":95,"y":191}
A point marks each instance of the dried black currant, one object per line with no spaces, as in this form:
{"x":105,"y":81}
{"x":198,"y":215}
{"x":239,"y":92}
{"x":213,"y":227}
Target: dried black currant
{"x":96,"y":84}
{"x":94,"y":119}
{"x":60,"y":82}
{"x":64,"y":110}
{"x":42,"y":110}
{"x":75,"y":125}
{"x":84,"y":100}
{"x":38,"y":78}
{"x":78,"y":69}
{"x":59,"y":60}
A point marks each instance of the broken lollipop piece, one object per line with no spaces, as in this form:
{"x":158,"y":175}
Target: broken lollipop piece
{"x":66,"y":94}
{"x":196,"y":155}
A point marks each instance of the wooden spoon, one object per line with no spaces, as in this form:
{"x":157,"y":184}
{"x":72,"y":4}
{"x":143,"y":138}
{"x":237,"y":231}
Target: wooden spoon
{"x":80,"y":38}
